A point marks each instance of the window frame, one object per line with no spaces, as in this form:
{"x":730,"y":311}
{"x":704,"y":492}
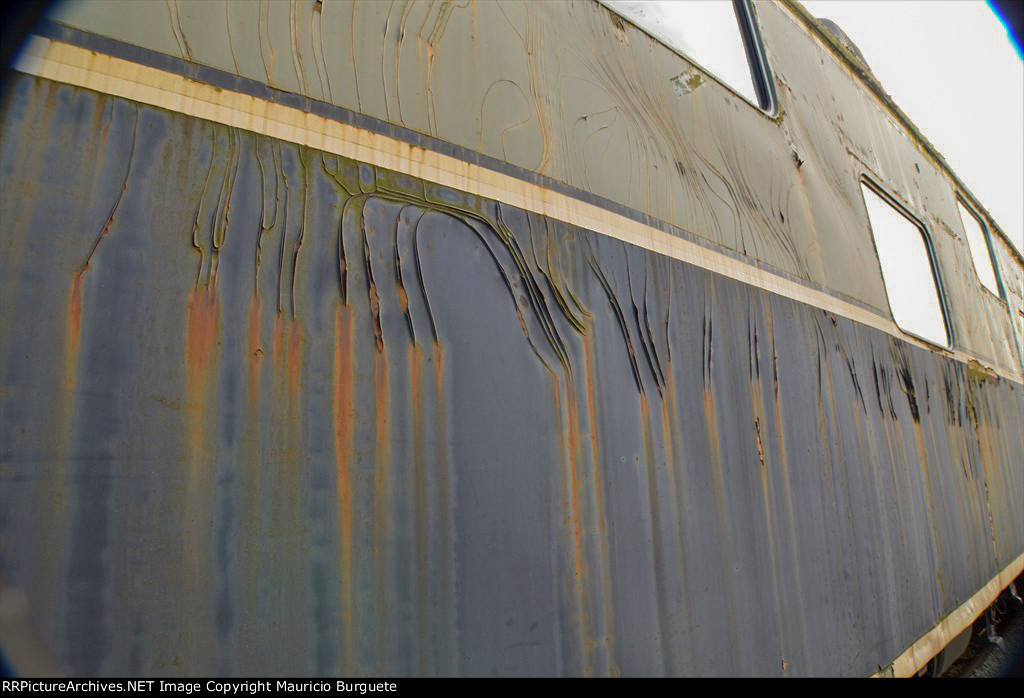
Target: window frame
{"x":889,"y":198}
{"x":987,"y":235}
{"x":753,"y":44}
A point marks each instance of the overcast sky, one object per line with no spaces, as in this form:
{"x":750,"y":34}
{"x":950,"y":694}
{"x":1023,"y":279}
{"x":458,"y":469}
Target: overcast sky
{"x":952,"y":69}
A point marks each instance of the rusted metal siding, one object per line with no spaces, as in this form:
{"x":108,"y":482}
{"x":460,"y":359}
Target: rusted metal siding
{"x":271,"y":411}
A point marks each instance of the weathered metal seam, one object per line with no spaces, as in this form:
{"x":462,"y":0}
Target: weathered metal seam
{"x":114,"y":76}
{"x":955,"y":622}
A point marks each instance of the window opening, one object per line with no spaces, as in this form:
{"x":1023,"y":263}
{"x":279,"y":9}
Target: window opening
{"x":907,"y":269}
{"x":981,"y":253}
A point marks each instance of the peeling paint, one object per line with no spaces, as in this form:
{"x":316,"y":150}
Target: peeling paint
{"x":687,"y":81}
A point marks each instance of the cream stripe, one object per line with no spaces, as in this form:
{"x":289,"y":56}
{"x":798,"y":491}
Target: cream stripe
{"x":932,"y":642}
{"x":69,"y":64}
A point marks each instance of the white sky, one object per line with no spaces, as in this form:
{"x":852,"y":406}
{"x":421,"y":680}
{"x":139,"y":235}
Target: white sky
{"x":952,"y":69}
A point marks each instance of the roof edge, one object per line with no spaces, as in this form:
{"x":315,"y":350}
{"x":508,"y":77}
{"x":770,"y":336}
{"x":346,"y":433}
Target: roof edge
{"x":867,"y":77}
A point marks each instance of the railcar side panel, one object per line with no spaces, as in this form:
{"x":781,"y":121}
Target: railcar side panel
{"x":268,"y":410}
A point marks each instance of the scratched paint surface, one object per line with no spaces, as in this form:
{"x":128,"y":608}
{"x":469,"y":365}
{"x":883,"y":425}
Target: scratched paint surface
{"x":270,"y":411}
{"x":571,"y":91}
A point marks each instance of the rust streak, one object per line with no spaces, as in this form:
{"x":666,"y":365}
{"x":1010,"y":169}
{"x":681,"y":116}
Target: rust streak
{"x":203,"y":332}
{"x":602,"y":534}
{"x":930,"y":503}
{"x":575,"y":492}
{"x":657,"y":544}
{"x":382,"y":491}
{"x":446,"y":653}
{"x":253,"y":485}
{"x":294,"y":357}
{"x":677,"y":467}
{"x":74,"y":324}
{"x":673,"y":517}
{"x":279,"y":332}
{"x":568,"y":504}
{"x":712,"y":424}
{"x":722,"y":516}
{"x":344,"y":411}
{"x":757,"y":402}
{"x":787,"y":490}
{"x":588,"y":370}
{"x":420,"y":505}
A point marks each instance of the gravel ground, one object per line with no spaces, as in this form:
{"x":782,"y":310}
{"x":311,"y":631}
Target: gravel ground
{"x":985,"y":660}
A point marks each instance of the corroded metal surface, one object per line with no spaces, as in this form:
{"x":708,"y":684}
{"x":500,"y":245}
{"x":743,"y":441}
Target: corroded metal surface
{"x":271,"y":411}
{"x":571,"y":91}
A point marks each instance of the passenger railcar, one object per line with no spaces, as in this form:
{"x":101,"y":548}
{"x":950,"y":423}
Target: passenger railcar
{"x":491,"y":338}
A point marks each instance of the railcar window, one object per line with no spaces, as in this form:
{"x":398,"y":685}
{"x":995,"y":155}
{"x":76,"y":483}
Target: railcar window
{"x":720,"y":36}
{"x":907,"y":270}
{"x":981,"y":253}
